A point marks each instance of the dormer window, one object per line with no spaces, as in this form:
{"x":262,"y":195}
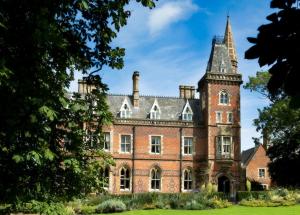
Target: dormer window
{"x":155,"y":111}
{"x":223,"y":98}
{"x":187,"y":113}
{"x":125,"y":111}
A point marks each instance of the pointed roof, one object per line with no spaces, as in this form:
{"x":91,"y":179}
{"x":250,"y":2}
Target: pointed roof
{"x":228,"y":40}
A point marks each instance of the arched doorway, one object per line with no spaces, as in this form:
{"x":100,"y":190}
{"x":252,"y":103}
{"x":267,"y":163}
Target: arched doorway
{"x":223,"y":184}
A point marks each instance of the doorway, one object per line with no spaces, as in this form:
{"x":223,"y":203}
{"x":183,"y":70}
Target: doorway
{"x":223,"y":184}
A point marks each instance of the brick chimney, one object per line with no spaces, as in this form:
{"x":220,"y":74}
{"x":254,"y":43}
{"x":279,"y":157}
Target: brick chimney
{"x":186,"y":92}
{"x":135,"y":89}
{"x":84,"y":87}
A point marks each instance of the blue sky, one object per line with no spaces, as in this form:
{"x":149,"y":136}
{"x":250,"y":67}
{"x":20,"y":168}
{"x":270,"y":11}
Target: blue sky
{"x":170,"y":45}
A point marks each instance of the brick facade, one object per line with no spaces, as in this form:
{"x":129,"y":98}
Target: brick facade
{"x":180,"y":126}
{"x":256,"y":166}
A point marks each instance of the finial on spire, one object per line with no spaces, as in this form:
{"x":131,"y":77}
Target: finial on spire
{"x":228,"y":40}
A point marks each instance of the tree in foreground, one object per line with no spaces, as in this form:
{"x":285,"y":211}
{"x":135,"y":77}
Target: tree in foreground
{"x":42,"y":44}
{"x":278,"y":45}
{"x":281,"y":125}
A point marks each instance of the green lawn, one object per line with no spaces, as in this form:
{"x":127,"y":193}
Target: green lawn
{"x":234,"y":210}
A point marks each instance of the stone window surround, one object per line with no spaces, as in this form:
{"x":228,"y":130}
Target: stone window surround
{"x":161,"y":143}
{"x":150,"y":179}
{"x":120,"y":142}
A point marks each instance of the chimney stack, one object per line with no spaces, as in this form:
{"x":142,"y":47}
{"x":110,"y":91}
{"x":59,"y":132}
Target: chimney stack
{"x":186,"y":92}
{"x":85,"y":87}
{"x":135,"y":89}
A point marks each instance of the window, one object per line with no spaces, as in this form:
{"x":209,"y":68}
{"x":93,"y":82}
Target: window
{"x":125,"y":143}
{"x":261,"y":173}
{"x":125,"y":179}
{"x":218,"y":116}
{"x":155,"y":179}
{"x":106,"y":145}
{"x":187,"y":180}
{"x":106,"y":178}
{"x":229,"y":117}
{"x":187,"y":145}
{"x":155,"y":144}
{"x":155,"y":113}
{"x":92,"y":140}
{"x":187,"y":115}
{"x":223,"y":98}
{"x":125,"y":111}
{"x":224,"y":147}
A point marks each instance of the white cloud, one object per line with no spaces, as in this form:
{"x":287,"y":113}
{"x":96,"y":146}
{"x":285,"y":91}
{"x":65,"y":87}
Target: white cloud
{"x":170,"y":12}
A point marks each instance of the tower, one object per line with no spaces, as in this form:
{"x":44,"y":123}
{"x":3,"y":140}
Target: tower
{"x":220,"y":104}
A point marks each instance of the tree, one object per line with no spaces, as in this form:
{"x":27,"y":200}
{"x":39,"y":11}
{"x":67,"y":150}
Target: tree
{"x":42,"y":44}
{"x":282,"y":125}
{"x":278,"y":45}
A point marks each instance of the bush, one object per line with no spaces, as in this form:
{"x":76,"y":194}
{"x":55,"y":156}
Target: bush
{"x":87,"y":209}
{"x":252,"y":195}
{"x":219,"y":203}
{"x":42,"y":208}
{"x":111,"y":206}
{"x":194,"y":205}
{"x":266,"y":203}
{"x":248,"y":185}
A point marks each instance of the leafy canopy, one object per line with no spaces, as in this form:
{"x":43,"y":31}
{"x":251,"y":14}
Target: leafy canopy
{"x":51,"y":141}
{"x":277,"y":45}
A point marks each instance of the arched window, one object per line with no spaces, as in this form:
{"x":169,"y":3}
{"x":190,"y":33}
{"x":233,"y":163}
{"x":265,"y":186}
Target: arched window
{"x":223,"y":98}
{"x":155,"y":179}
{"x":125,"y":179}
{"x":106,"y":178}
{"x":187,"y":179}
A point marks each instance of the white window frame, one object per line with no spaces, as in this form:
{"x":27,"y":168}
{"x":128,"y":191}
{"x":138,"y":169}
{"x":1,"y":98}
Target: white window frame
{"x":125,"y":110}
{"x":264,"y":170}
{"x":228,"y":114}
{"x":219,"y":114}
{"x":120,"y":145}
{"x":191,"y":147}
{"x":150,"y":144}
{"x":221,"y":151}
{"x":158,"y":171}
{"x":126,"y":179}
{"x":191,"y":180}
{"x":187,"y":116}
{"x":155,"y":111}
{"x":221,"y":102}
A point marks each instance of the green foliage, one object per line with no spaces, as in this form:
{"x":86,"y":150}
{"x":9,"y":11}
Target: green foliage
{"x":264,"y":203}
{"x":86,"y":209}
{"x":42,"y":208}
{"x":283,"y":31}
{"x":280,"y":125}
{"x":248,"y":185}
{"x":111,"y":206}
{"x":43,"y":43}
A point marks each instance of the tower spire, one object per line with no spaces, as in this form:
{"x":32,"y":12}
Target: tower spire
{"x":228,"y":40}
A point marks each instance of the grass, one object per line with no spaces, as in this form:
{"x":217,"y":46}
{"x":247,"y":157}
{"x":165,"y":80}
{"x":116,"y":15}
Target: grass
{"x":234,"y":210}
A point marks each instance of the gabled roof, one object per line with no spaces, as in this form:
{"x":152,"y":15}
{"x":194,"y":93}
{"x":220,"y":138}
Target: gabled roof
{"x":247,"y":155}
{"x":170,"y":107}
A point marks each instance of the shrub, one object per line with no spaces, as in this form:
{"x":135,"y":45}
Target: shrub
{"x":194,"y":205}
{"x":219,"y":203}
{"x":215,"y":188}
{"x":248,"y":185}
{"x":87,"y":209}
{"x":111,"y":206}
{"x":42,"y":208}
{"x":264,"y":203}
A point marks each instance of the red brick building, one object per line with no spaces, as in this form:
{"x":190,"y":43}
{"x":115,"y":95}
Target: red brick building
{"x":176,"y":144}
{"x":255,"y":163}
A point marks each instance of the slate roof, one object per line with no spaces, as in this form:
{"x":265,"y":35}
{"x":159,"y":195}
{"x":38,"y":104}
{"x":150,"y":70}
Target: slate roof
{"x":247,"y":155}
{"x":218,"y":53}
{"x":170,"y":107}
